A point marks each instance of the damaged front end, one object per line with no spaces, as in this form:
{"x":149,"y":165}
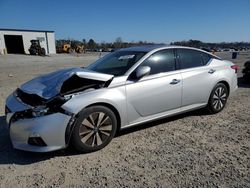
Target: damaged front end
{"x":46,"y":94}
{"x":36,"y":106}
{"x":34,"y":114}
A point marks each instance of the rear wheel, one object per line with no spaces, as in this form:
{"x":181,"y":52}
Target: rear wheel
{"x":43,"y":52}
{"x":94,"y":129}
{"x":218,"y":98}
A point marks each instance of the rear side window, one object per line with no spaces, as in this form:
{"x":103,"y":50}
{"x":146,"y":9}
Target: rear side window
{"x":206,"y":57}
{"x":161,"y":61}
{"x":192,"y":58}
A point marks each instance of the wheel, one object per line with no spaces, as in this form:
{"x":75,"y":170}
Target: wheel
{"x":70,"y":51}
{"x":32,"y":51}
{"x":94,"y":129}
{"x":218,"y":98}
{"x":43,"y":52}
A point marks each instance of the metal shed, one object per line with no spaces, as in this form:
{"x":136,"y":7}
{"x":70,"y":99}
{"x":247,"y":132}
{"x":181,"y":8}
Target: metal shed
{"x":17,"y":41}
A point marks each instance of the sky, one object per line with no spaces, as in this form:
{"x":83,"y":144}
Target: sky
{"x":159,"y":21}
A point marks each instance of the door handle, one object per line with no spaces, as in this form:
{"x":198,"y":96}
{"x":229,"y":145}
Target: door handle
{"x":211,"y":71}
{"x":175,"y":81}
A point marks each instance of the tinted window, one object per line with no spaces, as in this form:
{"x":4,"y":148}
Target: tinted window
{"x":191,"y":58}
{"x":206,"y":57}
{"x":162,"y":61}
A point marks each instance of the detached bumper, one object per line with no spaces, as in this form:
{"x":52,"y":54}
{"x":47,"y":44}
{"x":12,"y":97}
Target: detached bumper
{"x":50,"y":129}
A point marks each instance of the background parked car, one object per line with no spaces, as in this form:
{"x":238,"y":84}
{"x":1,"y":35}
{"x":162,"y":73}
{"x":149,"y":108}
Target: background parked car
{"x":246,"y":70}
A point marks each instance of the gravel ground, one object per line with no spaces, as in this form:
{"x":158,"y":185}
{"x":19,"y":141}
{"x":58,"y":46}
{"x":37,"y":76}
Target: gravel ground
{"x":190,"y":150}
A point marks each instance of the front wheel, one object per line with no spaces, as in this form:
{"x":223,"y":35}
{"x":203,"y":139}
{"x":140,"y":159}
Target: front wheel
{"x":94,"y":129}
{"x":218,"y":98}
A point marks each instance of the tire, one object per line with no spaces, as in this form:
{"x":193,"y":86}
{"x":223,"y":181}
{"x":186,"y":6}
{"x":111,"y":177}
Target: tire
{"x":32,"y":51}
{"x":70,"y":51}
{"x":218,"y":98}
{"x":43,"y":52}
{"x":94,"y":129}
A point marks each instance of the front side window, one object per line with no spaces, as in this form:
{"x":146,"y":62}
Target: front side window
{"x":161,"y":61}
{"x":116,"y":63}
{"x":191,"y":58}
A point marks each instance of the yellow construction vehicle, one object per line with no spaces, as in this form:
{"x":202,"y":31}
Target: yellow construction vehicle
{"x":64,"y":48}
{"x":67,"y":48}
{"x":78,"y":48}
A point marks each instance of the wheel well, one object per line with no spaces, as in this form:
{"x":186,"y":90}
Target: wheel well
{"x":226,"y":84}
{"x":117,"y":115}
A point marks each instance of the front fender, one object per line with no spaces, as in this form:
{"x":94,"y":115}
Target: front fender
{"x":112,"y":96}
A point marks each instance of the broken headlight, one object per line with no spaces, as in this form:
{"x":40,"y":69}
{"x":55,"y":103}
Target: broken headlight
{"x":50,"y":107}
{"x":40,"y":111}
{"x":44,"y":108}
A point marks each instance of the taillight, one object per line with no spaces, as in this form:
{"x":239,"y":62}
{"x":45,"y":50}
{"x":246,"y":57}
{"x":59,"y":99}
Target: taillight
{"x":235,"y":67}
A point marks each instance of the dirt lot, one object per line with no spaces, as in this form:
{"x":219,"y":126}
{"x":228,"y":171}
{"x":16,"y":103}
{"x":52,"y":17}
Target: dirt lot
{"x":190,"y":150}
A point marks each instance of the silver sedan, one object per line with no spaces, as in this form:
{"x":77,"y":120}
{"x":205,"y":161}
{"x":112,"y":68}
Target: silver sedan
{"x":87,"y":106}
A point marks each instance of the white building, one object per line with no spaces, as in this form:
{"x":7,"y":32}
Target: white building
{"x":17,"y":41}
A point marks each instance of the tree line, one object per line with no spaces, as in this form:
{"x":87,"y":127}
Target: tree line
{"x":92,"y":45}
{"x":213,"y":46}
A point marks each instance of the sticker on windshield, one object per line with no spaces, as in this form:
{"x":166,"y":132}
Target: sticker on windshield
{"x":126,"y":57}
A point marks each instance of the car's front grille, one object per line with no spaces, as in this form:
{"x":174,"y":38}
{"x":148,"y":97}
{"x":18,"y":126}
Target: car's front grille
{"x":30,"y":99}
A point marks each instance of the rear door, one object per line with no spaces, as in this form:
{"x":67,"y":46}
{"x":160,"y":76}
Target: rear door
{"x":198,"y":78}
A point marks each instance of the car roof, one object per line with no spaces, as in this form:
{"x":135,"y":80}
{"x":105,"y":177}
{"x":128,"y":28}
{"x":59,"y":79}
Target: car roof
{"x":149,"y":48}
{"x":144,"y":48}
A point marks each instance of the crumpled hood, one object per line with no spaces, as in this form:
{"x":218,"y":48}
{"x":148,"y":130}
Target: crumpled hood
{"x":49,"y":85}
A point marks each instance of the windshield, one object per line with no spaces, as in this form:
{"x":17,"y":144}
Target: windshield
{"x":116,"y":63}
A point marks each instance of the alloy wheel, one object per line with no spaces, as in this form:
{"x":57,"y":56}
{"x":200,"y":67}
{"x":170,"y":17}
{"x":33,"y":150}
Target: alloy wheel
{"x":219,"y":98}
{"x":95,"y":129}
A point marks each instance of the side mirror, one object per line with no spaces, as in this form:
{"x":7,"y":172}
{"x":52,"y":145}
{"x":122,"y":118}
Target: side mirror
{"x":142,"y":71}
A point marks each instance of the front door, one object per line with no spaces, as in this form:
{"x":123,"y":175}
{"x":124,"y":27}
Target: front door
{"x":158,"y":92}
